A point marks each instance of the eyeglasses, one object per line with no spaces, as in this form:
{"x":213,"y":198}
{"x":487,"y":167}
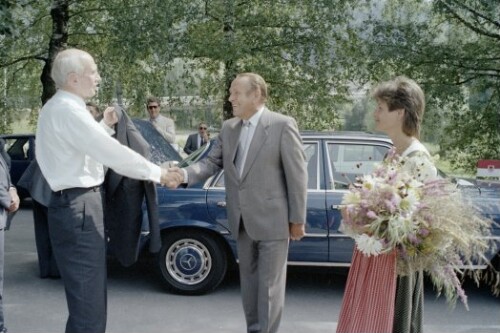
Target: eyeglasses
{"x":151,"y":107}
{"x":202,"y":128}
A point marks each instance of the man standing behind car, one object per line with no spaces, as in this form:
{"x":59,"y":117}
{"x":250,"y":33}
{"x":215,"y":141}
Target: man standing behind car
{"x":71,"y":149}
{"x":165,"y":126}
{"x":196,"y":140}
{"x":266,"y":188}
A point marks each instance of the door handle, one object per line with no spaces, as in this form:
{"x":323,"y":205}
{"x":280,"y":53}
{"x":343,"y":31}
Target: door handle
{"x":221,"y":204}
{"x":336,"y":206}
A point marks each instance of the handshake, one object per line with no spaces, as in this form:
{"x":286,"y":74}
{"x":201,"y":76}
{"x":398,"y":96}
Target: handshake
{"x":171,"y":176}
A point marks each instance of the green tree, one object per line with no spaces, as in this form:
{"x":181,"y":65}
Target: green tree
{"x":451,"y":47}
{"x":302,"y":48}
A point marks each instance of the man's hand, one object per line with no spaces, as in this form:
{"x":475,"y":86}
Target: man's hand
{"x":14,"y":200}
{"x":171,"y":179}
{"x":110,"y":117}
{"x":206,"y":136}
{"x":297,"y":231}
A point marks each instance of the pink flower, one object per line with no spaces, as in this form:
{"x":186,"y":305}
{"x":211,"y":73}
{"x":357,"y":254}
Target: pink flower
{"x":424,"y":232}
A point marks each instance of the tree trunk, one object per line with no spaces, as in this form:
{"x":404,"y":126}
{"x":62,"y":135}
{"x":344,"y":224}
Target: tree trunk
{"x":58,"y":42}
{"x":229,"y":75}
{"x":229,"y":64}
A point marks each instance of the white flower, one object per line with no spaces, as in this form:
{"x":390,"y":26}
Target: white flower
{"x":351,"y":198}
{"x":369,"y":182}
{"x":410,"y":202}
{"x":369,"y":246}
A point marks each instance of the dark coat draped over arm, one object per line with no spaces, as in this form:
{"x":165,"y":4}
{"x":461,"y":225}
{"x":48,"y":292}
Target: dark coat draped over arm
{"x":124,"y":200}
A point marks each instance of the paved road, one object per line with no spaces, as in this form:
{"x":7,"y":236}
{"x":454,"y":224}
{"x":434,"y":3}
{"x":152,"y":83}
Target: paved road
{"x":138,"y":303}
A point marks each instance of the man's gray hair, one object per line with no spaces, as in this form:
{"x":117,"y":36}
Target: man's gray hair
{"x":66,"y":62}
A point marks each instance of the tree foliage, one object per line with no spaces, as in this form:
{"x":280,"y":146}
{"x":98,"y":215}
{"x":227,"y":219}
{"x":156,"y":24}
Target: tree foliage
{"x":451,"y":48}
{"x":315,"y":55}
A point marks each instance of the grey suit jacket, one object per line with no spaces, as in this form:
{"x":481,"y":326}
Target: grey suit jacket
{"x":5,"y":197}
{"x":272,"y":190}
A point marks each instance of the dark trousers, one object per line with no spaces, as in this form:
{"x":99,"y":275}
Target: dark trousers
{"x":76,"y":227}
{"x":2,"y":247}
{"x":46,"y":259}
{"x":409,"y":306}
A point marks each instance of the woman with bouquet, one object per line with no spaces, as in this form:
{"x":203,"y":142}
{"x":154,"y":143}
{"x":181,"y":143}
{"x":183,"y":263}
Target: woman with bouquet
{"x":375,"y":299}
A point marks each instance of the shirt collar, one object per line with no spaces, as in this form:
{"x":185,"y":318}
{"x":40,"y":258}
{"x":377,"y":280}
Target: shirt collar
{"x":71,"y":96}
{"x":254,"y":120}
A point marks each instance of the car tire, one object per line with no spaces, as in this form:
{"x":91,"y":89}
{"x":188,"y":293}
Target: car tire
{"x":192,"y":262}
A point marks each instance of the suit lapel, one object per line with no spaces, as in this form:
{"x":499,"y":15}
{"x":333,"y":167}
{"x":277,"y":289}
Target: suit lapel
{"x":258,"y":140}
{"x":4,"y":165}
{"x":234,"y":137}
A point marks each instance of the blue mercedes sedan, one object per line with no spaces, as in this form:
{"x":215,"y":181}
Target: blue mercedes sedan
{"x":198,"y":248}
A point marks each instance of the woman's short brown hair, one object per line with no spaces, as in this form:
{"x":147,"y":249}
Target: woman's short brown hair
{"x":404,"y":93}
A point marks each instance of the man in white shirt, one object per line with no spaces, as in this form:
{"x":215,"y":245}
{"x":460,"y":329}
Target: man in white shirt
{"x":71,"y":149}
{"x":165,"y":126}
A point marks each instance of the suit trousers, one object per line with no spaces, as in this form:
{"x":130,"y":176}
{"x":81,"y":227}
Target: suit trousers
{"x":46,"y":259}
{"x":2,"y":254}
{"x":262,"y":267}
{"x":76,"y":227}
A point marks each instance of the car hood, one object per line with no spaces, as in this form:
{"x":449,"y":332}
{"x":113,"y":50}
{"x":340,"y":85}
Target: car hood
{"x":484,"y":195}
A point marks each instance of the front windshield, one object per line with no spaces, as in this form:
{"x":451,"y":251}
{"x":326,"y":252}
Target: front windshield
{"x":195,"y":156}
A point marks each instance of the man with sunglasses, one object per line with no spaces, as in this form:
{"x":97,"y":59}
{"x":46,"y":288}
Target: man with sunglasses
{"x":196,"y":140}
{"x":165,"y":126}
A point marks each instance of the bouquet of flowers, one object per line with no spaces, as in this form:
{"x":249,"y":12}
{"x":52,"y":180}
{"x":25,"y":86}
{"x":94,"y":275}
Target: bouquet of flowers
{"x":428,"y":223}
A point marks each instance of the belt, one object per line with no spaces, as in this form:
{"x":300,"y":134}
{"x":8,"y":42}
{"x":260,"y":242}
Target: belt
{"x":78,"y":190}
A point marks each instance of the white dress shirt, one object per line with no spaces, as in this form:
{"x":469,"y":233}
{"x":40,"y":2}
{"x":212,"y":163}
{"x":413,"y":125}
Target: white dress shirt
{"x":71,"y":147}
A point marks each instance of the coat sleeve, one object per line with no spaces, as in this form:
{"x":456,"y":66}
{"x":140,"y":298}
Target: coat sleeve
{"x":295,"y":169}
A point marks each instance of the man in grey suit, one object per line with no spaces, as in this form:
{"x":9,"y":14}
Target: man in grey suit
{"x":9,"y":202}
{"x":266,"y":184}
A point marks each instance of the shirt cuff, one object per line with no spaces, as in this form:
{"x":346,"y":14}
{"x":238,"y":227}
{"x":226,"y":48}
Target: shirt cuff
{"x":186,"y":177}
{"x":108,"y":129}
{"x":155,"y":174}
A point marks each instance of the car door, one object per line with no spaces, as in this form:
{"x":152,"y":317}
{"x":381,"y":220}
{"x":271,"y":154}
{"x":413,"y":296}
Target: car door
{"x":21,"y":150}
{"x":346,"y":161}
{"x":313,"y":248}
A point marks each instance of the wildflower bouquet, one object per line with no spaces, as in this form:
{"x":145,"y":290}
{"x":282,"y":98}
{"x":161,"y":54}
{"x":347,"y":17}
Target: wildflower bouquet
{"x":427,"y":222}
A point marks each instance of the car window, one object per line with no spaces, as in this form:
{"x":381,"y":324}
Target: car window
{"x":349,"y":160}
{"x":313,"y":171}
{"x":17,"y":148}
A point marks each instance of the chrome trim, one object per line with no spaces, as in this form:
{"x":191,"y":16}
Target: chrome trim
{"x":315,"y":235}
{"x":319,"y":264}
{"x":339,"y":236}
{"x":493,"y":237}
{"x":473,"y":266}
{"x":314,"y":264}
